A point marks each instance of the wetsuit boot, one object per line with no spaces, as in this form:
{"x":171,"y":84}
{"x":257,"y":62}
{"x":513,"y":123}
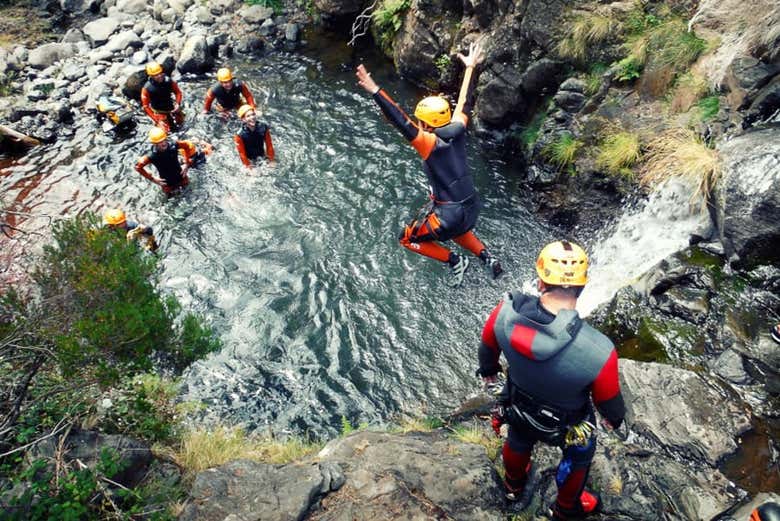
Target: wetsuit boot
{"x":587,"y":504}
{"x":491,"y":264}
{"x":458,"y":266}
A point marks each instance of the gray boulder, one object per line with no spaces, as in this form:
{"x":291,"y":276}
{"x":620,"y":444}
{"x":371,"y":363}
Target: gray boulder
{"x":681,"y":411}
{"x":256,"y":14}
{"x":124,"y":40}
{"x":259,"y":492}
{"x":50,"y":53}
{"x":98,"y":31}
{"x":131,"y":6}
{"x":73,"y":35}
{"x":196,"y":56}
{"x":133,"y":85}
{"x":747,"y":201}
{"x":338,"y":9}
{"x":417,"y":476}
{"x":203,"y":15}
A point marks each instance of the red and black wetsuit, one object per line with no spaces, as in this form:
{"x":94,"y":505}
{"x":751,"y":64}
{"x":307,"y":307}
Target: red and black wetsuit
{"x":557,"y":361}
{"x":228,"y":99}
{"x":159,"y":97}
{"x":252,"y":144}
{"x":455,"y":200}
{"x":167,"y":164}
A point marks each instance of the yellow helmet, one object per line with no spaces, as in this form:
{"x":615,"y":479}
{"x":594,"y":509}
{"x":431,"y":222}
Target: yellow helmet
{"x":563,"y":263}
{"x":114,"y":217}
{"x":434,"y":111}
{"x":157,"y":135}
{"x":153,"y":69}
{"x":224,"y":74}
{"x":243,"y":109}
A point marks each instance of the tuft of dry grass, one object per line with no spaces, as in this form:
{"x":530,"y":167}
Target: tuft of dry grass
{"x":409,"y":424}
{"x":479,"y":436}
{"x":618,"y":152}
{"x":202,"y":449}
{"x":690,"y":88}
{"x":562,"y":151}
{"x":586,"y":30}
{"x":680,"y":152}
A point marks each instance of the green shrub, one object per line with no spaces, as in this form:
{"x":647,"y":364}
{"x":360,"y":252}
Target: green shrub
{"x":562,"y":151}
{"x":100,"y":308}
{"x":708,"y":107}
{"x":388,"y":19}
{"x":530,"y":133}
{"x":443,"y":63}
{"x":628,"y":69}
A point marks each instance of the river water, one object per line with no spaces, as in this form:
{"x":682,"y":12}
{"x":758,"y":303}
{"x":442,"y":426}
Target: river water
{"x":297,"y":266}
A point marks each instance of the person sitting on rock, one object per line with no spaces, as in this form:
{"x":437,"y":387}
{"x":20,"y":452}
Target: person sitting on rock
{"x":559,"y":367}
{"x":115,"y":219}
{"x":253,"y":141}
{"x":165,"y":157}
{"x":227,"y":94}
{"x":440,"y":139}
{"x":161,"y":98}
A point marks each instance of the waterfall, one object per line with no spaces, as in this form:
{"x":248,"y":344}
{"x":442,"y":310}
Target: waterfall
{"x":643,"y":236}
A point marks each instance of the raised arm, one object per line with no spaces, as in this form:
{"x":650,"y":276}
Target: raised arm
{"x":389,"y":108}
{"x":470,"y":61}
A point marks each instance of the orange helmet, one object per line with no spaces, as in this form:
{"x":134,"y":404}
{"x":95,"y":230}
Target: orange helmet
{"x":434,"y":111}
{"x":243,"y":109}
{"x":157,"y":135}
{"x":153,"y":69}
{"x":563,"y":263}
{"x":114,"y":217}
{"x":224,"y":74}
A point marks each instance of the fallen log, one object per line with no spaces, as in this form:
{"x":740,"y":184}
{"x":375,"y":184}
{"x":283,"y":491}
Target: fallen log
{"x":18,"y":137}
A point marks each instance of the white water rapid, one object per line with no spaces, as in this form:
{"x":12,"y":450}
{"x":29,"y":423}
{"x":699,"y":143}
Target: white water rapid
{"x":645,"y":235}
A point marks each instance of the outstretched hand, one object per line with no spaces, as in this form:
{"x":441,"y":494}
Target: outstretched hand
{"x":365,"y":80}
{"x":473,"y":57}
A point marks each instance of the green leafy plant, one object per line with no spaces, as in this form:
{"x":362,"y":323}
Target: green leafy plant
{"x":443,"y":63}
{"x":628,"y":69}
{"x":530,"y":133}
{"x":562,"y":151}
{"x":388,"y":19}
{"x":708,"y":107}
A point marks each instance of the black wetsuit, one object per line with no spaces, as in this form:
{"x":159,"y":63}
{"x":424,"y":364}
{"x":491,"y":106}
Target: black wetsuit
{"x":161,"y":95}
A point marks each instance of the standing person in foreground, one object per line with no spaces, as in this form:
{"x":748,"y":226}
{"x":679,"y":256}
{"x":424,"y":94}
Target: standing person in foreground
{"x":253,"y":141}
{"x":558,"y":364}
{"x":227,"y":94}
{"x":161,"y":98}
{"x":165,"y":157}
{"x":440,"y":139}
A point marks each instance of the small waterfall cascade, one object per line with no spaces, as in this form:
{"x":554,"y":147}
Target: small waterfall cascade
{"x":657,"y":227}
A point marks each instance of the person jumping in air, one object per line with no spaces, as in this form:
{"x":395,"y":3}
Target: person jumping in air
{"x":253,"y":141}
{"x":227,"y":94}
{"x":440,"y":139}
{"x":165,"y":157}
{"x":161,"y":98}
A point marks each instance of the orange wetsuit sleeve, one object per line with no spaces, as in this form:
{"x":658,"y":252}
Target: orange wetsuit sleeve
{"x":269,"y":145}
{"x":209,"y":100}
{"x":247,"y":95}
{"x":146,"y":103}
{"x":424,"y":143}
{"x":188,"y":149}
{"x":176,"y":91}
{"x":241,"y":150}
{"x":139,"y":167}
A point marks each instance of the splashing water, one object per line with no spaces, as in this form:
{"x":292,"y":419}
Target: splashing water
{"x":658,"y":227}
